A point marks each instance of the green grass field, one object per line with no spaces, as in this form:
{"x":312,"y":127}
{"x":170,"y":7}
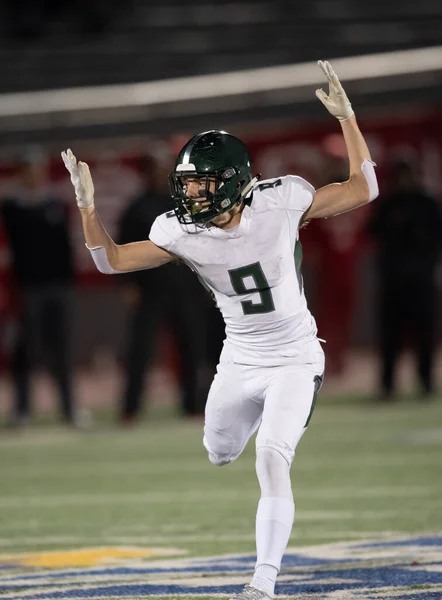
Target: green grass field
{"x":362,"y":471}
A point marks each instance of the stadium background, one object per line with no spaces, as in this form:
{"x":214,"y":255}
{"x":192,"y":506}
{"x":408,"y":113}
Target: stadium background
{"x":362,"y":456}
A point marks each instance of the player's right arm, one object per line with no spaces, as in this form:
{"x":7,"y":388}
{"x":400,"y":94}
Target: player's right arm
{"x":108,"y":256}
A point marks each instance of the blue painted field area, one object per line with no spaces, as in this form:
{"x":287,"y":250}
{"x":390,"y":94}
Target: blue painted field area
{"x":379,"y":570}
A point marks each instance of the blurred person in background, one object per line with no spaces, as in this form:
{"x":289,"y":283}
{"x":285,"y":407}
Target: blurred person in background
{"x":36,"y":227}
{"x":241,"y":237}
{"x":169,"y":297}
{"x":406,"y":224}
{"x":338,"y":244}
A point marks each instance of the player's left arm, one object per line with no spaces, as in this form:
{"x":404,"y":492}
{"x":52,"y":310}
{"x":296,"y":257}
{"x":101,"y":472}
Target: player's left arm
{"x":361,"y":187}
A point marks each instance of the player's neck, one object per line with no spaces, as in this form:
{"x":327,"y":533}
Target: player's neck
{"x":231,"y":219}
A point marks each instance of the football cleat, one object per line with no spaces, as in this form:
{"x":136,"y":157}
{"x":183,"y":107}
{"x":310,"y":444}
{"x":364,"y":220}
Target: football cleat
{"x":251,"y":593}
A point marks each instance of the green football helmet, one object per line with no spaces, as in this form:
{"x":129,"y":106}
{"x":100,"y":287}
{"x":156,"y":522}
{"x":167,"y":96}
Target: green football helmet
{"x":222,"y":163}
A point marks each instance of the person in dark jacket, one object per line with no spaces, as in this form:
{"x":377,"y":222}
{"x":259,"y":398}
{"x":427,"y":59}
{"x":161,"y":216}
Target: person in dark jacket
{"x":167,"y":297}
{"x":407,"y":226}
{"x":37,"y":230}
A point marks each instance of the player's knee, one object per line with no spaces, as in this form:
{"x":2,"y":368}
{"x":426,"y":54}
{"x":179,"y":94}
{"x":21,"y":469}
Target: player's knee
{"x":272,"y":449}
{"x":270,"y":460}
{"x":219,"y":447}
{"x":218,"y":461}
{"x":273,"y":472}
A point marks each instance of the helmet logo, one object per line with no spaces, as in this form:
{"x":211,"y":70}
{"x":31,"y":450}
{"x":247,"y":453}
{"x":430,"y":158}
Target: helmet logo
{"x":230,"y":172}
{"x":185,"y":167}
{"x":225,"y":203}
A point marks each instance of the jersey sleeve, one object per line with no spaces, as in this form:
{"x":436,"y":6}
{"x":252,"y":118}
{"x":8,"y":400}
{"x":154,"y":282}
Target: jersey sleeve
{"x":296,"y":193}
{"x":166,"y":231}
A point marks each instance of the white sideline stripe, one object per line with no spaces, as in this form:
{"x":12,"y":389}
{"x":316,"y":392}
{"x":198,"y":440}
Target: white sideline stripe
{"x":107,"y":499}
{"x":267,"y":79}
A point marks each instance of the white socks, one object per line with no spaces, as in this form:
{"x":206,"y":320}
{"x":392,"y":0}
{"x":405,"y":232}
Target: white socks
{"x":274,"y":521}
{"x":264,"y":579}
{"x":274,"y":517}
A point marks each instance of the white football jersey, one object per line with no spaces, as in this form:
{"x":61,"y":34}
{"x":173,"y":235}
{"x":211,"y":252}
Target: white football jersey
{"x":253,"y":271}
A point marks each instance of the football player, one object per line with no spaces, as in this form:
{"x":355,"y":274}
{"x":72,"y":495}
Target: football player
{"x":241,"y":238}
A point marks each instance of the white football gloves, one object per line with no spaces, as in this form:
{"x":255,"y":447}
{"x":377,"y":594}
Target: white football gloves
{"x":336,"y":102}
{"x":81,"y":179}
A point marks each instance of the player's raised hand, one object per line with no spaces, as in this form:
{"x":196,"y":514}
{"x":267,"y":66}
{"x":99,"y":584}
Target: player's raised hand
{"x":81,"y":179}
{"x":336,"y":102}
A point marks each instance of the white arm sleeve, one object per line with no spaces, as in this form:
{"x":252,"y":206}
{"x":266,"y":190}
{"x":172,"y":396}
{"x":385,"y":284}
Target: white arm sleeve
{"x":367,"y":169}
{"x":99,"y":257}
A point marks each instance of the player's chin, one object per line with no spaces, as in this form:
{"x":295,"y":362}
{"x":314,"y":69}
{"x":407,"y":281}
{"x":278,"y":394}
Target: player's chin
{"x":220,"y":219}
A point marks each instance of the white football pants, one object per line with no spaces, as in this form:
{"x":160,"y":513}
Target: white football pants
{"x":278,"y":400}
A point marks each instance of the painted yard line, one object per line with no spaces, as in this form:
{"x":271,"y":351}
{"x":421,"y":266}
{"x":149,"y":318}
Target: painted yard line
{"x":378,"y":438}
{"x":80,"y":469}
{"x":385,"y":424}
{"x":302,"y":518}
{"x":378,"y":432}
{"x":201,"y":495}
{"x":393,"y":441}
{"x":348,"y":515}
{"x":245,"y":537}
{"x":329,"y":413}
{"x":125,"y":532}
{"x":327,"y":425}
{"x":148,"y":540}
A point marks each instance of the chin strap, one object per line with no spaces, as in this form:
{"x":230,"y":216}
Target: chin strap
{"x":249,"y":187}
